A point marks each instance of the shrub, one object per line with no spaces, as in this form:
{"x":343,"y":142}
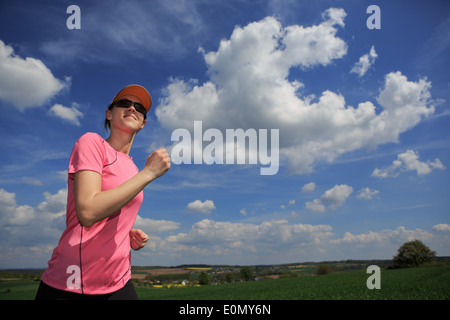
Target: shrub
{"x":246,"y":273}
{"x":204,"y":279}
{"x":324,"y":269}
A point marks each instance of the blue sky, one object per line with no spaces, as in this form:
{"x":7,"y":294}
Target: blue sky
{"x":363,"y":119}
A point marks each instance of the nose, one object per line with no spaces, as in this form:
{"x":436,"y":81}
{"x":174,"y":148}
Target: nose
{"x":132,"y":107}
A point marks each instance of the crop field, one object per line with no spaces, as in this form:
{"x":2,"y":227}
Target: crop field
{"x":431,"y":283}
{"x":427,"y":283}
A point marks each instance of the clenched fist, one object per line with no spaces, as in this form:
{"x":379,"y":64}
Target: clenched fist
{"x":157,"y":163}
{"x":138,"y":239}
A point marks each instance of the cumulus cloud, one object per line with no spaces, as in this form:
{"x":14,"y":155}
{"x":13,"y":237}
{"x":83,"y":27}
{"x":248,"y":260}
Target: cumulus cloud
{"x":26,"y":83}
{"x":71,"y":115}
{"x":331,"y":199}
{"x":309,"y":187}
{"x":364,"y":63}
{"x":387,"y":236}
{"x":240,"y":240}
{"x":203,"y":207}
{"x":249,"y":86}
{"x":279,"y":240}
{"x":28,"y":234}
{"x":153,"y":227}
{"x":408,"y":161}
{"x":367,"y":193}
{"x":441,"y":227}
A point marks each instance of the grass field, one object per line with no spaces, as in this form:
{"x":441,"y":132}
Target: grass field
{"x":402,"y":284}
{"x":426,"y":283}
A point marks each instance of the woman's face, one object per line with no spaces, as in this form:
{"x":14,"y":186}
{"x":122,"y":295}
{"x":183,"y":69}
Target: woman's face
{"x":126,"y":119}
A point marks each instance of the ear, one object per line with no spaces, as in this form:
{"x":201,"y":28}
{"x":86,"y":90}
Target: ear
{"x":108,"y":114}
{"x":143,"y":124}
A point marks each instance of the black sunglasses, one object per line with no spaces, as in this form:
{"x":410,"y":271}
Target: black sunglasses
{"x":125,"y":103}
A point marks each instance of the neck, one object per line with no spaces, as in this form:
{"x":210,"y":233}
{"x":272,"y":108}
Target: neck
{"x":121,"y":142}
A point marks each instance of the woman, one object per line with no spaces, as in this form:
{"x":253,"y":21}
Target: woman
{"x":92,"y":259}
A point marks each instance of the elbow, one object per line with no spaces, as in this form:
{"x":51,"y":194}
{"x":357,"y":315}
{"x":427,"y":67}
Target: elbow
{"x":84,"y":218}
{"x":85,"y":223}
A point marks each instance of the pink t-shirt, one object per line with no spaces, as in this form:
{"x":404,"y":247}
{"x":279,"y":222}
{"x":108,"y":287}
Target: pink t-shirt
{"x":95,"y":260}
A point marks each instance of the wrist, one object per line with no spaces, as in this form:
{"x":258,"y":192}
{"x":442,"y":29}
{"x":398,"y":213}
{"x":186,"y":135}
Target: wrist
{"x":148,"y":175}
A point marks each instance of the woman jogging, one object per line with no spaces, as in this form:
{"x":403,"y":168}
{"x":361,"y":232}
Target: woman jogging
{"x":92,"y":259}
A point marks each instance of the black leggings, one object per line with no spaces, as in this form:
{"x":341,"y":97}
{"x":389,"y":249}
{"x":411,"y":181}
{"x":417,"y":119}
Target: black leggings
{"x":46,"y":292}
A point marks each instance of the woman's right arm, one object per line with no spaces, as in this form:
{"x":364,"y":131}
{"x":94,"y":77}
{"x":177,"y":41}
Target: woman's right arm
{"x":93,"y":205}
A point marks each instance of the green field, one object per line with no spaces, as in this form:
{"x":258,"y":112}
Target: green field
{"x":404,"y":284}
{"x":426,"y":283}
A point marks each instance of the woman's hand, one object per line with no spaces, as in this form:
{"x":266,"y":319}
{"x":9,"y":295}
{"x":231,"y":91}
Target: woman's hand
{"x":138,"y":239}
{"x":157,"y":163}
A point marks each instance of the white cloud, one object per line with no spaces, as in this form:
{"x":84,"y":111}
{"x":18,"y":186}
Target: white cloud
{"x":54,"y":202}
{"x":71,"y":115}
{"x":31,"y":181}
{"x":267,"y":232}
{"x":397,"y":236}
{"x":408,"y":161}
{"x":203,"y":207}
{"x":26,"y":83}
{"x":245,"y":241}
{"x":277,"y":241}
{"x":367,"y":193}
{"x":28,"y":234}
{"x":364,"y":63}
{"x":249,"y":87}
{"x":11,"y":214}
{"x":291,"y":202}
{"x":334,"y":198}
{"x":151,"y":226}
{"x":309,"y":187}
{"x":316,"y":205}
{"x":441,"y":227}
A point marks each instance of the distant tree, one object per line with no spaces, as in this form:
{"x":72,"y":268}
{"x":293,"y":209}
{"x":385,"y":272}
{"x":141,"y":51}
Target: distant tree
{"x":246,"y":273}
{"x":229,"y":277}
{"x":413,"y":254}
{"x":204,"y":279}
{"x":324,"y":269}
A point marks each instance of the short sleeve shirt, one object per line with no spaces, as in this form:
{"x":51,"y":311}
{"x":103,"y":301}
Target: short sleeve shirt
{"x":96,"y":259}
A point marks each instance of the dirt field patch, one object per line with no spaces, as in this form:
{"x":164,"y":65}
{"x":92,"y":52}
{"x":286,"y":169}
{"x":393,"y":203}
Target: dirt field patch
{"x":144,"y":272}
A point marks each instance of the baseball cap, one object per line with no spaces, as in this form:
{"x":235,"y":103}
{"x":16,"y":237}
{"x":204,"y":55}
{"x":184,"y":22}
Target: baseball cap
{"x":137,"y":91}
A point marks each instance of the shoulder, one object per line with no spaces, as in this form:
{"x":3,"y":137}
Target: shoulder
{"x":88,"y":153}
{"x":91,"y":136}
{"x":90,"y":142}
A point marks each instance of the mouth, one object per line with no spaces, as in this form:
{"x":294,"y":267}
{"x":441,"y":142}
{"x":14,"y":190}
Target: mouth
{"x":131,"y":116}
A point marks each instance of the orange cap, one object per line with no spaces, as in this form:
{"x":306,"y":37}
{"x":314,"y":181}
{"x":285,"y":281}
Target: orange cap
{"x":137,"y":91}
